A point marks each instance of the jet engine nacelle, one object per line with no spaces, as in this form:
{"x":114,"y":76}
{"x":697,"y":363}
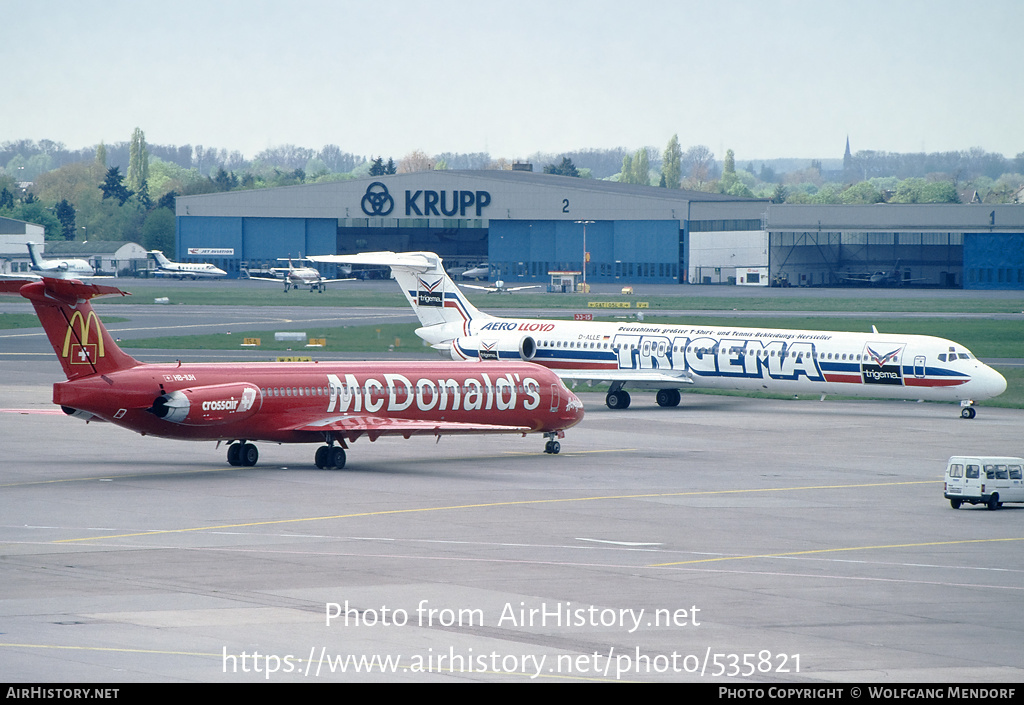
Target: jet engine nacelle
{"x":493,"y":349}
{"x":210,"y":405}
{"x":79,"y":414}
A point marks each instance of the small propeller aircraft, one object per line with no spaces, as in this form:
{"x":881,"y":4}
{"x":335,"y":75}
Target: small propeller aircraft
{"x":297,"y":277}
{"x":500,"y":288}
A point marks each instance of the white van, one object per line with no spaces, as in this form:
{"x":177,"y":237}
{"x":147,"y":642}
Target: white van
{"x":984,"y":480}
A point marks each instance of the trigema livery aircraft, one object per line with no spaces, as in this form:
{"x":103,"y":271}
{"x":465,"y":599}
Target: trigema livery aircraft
{"x":66,"y":268}
{"x":295,"y":277}
{"x":669,"y":358}
{"x":288,"y":402}
{"x":185,"y":270}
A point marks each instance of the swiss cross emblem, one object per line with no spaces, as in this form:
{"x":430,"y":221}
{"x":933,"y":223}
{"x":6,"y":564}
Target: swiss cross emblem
{"x":83,"y":354}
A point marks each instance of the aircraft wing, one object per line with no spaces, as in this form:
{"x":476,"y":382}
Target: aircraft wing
{"x":481,"y":288}
{"x":24,"y":277}
{"x":520,"y":288}
{"x":330,"y":281}
{"x":675,"y":377}
{"x":389,"y":259}
{"x":11,"y":285}
{"x":354,"y":425}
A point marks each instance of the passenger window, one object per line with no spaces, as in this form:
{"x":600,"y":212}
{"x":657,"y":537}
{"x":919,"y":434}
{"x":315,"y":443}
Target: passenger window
{"x":990,"y":472}
{"x":1001,"y":473}
{"x":1015,"y":472}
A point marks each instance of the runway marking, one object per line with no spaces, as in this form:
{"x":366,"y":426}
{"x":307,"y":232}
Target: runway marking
{"x":834,"y":550}
{"x":110,"y":478}
{"x":486,"y":505}
{"x":572,"y":453}
{"x":109,"y":649}
{"x":52,"y":412}
{"x":628,"y":544}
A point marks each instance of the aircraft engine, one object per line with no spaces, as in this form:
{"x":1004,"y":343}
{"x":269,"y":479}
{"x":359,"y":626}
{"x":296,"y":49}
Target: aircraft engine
{"x":209,"y":405}
{"x":493,"y":349}
{"x":79,"y":414}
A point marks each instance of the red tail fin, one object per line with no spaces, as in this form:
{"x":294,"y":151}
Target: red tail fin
{"x":76,"y":333}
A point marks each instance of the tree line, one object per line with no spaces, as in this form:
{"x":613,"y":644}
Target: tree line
{"x":126,"y":191}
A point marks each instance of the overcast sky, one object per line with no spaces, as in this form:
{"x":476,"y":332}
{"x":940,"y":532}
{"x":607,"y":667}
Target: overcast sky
{"x":766,"y":78}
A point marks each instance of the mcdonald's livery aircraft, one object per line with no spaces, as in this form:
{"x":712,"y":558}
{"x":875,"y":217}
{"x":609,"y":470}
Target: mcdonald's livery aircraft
{"x":184,"y":270}
{"x":670,"y":358}
{"x":334,"y":403}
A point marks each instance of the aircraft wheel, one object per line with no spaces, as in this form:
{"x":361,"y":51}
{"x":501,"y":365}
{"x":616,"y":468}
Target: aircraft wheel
{"x":668,"y":397}
{"x":555,"y":447}
{"x":321,"y":457}
{"x":234,"y":454}
{"x":337,"y":458}
{"x":954,"y":503}
{"x":617,"y":400}
{"x":248,"y":455}
{"x":968,"y":412}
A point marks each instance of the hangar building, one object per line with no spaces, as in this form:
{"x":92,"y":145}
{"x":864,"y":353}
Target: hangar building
{"x":525,"y":225}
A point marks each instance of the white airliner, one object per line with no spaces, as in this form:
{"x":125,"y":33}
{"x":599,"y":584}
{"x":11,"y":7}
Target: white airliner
{"x":670,"y":358}
{"x":185,"y":270}
{"x":65,"y":268}
{"x":295,"y":277}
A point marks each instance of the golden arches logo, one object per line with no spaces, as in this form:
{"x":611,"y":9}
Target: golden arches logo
{"x":82,"y":352}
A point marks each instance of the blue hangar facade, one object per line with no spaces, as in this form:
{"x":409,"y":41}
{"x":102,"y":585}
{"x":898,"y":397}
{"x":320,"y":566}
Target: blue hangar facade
{"x":524,"y":225}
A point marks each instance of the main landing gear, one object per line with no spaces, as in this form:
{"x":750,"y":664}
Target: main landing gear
{"x":243,"y":454}
{"x":330,"y":457}
{"x":668,"y":397}
{"x":618,"y":398}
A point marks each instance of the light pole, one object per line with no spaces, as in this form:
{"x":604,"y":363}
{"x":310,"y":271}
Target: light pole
{"x":584,"y":223}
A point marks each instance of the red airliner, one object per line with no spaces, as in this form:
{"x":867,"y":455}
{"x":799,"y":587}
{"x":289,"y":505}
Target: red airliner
{"x":286,"y":402}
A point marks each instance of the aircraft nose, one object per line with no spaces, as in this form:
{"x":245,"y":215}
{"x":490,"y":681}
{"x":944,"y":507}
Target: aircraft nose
{"x":995,"y":383}
{"x":572,"y":412}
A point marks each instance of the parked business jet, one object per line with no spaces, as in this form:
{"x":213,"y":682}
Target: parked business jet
{"x":64,"y":268}
{"x":330,"y":402}
{"x":670,"y":358}
{"x":184,"y":270}
{"x":296,"y":277}
{"x":480,"y":271}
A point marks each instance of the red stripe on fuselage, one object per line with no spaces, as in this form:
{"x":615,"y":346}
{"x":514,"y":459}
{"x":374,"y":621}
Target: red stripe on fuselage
{"x":848,"y":379}
{"x":915,"y":382}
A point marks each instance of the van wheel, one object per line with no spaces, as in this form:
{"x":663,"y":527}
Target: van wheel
{"x":993,"y":503}
{"x":954,"y":503}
